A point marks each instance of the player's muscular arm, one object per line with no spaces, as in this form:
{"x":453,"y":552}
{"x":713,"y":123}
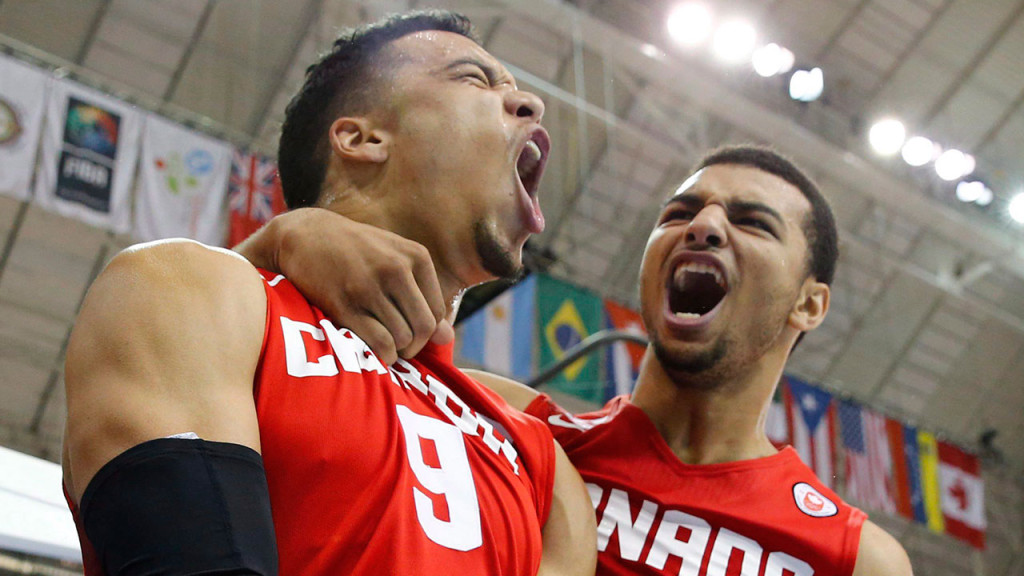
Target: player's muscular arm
{"x":570,"y":535}
{"x":517,"y":395}
{"x":167,"y":342}
{"x":378,"y":284}
{"x":880,"y":554}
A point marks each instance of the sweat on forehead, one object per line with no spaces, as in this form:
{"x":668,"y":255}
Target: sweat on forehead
{"x":440,"y":50}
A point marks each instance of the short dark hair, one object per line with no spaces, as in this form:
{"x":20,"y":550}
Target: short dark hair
{"x":339,"y":83}
{"x":820,"y":225}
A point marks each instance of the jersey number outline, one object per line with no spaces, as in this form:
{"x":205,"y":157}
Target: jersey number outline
{"x":453,"y":480}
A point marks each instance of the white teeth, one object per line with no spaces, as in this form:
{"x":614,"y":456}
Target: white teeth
{"x":687,"y":315}
{"x":533,"y":150}
{"x":698,"y":268}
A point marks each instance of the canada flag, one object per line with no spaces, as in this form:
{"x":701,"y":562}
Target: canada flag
{"x":963,"y":495}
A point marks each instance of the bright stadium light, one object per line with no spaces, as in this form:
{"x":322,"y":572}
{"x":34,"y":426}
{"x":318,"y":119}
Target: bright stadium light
{"x":986,"y":197}
{"x":772,"y":59}
{"x":969,"y":165}
{"x":807,"y":85}
{"x":734,"y":41}
{"x":919,"y":151}
{"x":1016,"y":208}
{"x":651,"y":51}
{"x":690,"y":24}
{"x":887,"y":136}
{"x":952,"y":164}
{"x":970,"y":191}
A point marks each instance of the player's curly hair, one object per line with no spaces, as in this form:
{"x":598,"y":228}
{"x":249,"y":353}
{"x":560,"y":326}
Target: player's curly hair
{"x":342,"y":82}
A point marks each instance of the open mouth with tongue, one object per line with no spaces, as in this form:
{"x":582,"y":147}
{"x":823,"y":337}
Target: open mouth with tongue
{"x":529,"y":169}
{"x":695,"y":290}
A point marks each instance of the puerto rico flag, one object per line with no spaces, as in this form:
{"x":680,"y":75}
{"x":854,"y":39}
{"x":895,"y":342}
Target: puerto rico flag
{"x":255,"y":194}
{"x":812,"y":423}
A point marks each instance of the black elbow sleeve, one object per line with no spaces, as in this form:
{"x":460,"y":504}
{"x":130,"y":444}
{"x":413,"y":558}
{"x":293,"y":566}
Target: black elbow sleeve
{"x":177,"y":506}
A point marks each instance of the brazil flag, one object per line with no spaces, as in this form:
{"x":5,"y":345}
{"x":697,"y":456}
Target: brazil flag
{"x":566,"y":315}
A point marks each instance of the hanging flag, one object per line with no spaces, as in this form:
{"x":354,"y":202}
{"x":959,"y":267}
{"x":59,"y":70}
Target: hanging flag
{"x":90,"y":146}
{"x":183,"y":177}
{"x":566,"y":315}
{"x":812,"y":428}
{"x":915,"y":486}
{"x":900,"y":469}
{"x":930,"y":491}
{"x":868,"y":458}
{"x":255,"y":194}
{"x":623,"y":358}
{"x":776,"y":425}
{"x":22,"y":103}
{"x":499,"y":336}
{"x":963,"y":495}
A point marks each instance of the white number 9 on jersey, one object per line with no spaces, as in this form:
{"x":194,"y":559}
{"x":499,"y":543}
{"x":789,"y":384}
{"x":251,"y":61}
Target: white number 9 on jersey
{"x":453,"y":480}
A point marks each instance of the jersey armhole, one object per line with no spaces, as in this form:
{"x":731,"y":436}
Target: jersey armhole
{"x":540,"y":408}
{"x":268,"y":291}
{"x":851,"y":544}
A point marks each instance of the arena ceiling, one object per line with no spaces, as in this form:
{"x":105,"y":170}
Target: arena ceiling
{"x":927,"y":322}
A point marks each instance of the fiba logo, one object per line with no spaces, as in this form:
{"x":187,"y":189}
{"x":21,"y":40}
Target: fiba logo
{"x":812,"y":502}
{"x":10,"y":128}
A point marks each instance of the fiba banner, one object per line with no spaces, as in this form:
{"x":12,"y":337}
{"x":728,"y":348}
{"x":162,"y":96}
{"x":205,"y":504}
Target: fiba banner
{"x":499,"y":337}
{"x":623,"y":362}
{"x":90,"y":147}
{"x":22,"y":102}
{"x":566,"y":315}
{"x":255,"y":194}
{"x":183,"y":177}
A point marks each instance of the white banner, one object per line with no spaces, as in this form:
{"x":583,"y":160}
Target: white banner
{"x":183,"y":178}
{"x":22,"y":101}
{"x":90,"y":146}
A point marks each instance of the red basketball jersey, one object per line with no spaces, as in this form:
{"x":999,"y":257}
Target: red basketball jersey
{"x":657,"y":515}
{"x":408,"y":469}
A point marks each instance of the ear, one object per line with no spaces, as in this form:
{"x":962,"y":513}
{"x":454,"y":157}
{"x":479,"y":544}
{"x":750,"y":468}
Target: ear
{"x":811,"y":307}
{"x":358,"y":139}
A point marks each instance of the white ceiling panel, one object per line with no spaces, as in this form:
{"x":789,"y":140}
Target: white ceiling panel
{"x":56,"y":26}
{"x":138,"y":40}
{"x":20,"y":389}
{"x":170,"y":19}
{"x":116,"y":63}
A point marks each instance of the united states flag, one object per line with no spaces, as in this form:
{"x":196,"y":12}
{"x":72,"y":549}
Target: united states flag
{"x":255,"y":194}
{"x":869,"y":464}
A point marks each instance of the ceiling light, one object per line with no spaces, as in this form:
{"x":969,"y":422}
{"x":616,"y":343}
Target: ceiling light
{"x":734,"y":41}
{"x":1016,"y":207}
{"x":772,"y":59}
{"x":969,"y":165}
{"x":806,"y":85}
{"x":952,"y":164}
{"x":689,"y":24}
{"x":651,"y":51}
{"x":986,"y":197}
{"x":887,"y":136}
{"x":919,"y":151}
{"x":970,"y":191}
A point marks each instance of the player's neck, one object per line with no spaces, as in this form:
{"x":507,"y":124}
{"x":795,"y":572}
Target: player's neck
{"x":702,"y":425}
{"x":360,"y":208}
